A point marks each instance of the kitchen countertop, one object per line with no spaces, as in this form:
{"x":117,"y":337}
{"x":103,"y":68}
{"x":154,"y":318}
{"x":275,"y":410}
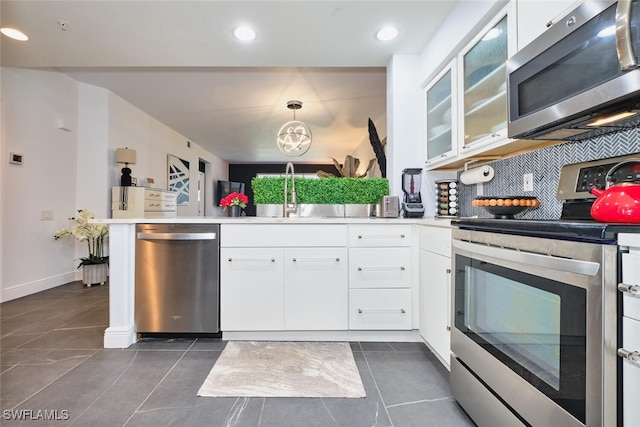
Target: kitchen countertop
{"x":436,"y":222}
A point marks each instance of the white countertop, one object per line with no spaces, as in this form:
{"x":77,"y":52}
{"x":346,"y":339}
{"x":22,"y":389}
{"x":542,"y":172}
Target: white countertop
{"x":436,"y":222}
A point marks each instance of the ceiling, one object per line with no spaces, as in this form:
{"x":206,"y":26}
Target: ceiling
{"x":178,"y":61}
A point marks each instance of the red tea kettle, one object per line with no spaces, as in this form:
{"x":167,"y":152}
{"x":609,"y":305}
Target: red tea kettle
{"x":619,"y":202}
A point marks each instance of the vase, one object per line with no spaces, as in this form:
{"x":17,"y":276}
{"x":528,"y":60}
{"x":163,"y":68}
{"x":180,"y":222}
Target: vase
{"x":93,"y":274}
{"x":234,"y":211}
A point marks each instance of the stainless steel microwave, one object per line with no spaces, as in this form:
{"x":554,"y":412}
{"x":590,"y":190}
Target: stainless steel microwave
{"x":580,"y":78}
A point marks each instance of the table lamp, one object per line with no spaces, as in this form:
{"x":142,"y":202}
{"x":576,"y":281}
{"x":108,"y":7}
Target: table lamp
{"x":126,"y":156}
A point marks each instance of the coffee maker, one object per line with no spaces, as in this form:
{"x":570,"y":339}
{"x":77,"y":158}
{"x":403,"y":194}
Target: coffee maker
{"x":412,"y":205}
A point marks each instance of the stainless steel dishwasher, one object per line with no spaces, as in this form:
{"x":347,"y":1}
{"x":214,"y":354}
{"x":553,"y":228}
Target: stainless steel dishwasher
{"x":177,"y":282}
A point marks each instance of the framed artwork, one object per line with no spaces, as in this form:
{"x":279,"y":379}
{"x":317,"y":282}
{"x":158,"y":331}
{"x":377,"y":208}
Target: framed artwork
{"x":179,"y":178}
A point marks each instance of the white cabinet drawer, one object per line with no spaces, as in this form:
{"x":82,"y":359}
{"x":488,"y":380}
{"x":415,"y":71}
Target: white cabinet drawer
{"x":158,"y":205}
{"x":282,"y":234}
{"x":435,"y":239}
{"x":379,"y":309}
{"x":381,"y":235}
{"x":380,"y":268}
{"x":631,"y":276}
{"x":630,"y":373}
{"x":160,"y":195}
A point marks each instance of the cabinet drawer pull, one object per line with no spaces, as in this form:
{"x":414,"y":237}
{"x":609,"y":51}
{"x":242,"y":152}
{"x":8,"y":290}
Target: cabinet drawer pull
{"x":252,"y":260}
{"x":336,"y":259}
{"x":401,"y":268}
{"x":631,"y":356}
{"x":380,"y":236}
{"x":402,"y":311}
{"x":633,"y":290}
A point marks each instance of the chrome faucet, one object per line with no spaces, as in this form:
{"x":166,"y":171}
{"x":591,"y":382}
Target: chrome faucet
{"x":289,"y":208}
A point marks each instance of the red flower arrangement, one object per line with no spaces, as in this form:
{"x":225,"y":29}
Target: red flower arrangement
{"x":234,"y":199}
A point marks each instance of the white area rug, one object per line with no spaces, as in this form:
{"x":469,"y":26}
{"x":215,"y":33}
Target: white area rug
{"x":284,"y":369}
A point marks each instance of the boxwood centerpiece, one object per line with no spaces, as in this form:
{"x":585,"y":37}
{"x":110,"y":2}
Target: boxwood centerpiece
{"x":313,"y":191}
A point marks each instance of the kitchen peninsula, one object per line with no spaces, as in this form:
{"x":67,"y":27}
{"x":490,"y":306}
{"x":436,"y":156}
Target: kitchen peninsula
{"x":322,"y":278}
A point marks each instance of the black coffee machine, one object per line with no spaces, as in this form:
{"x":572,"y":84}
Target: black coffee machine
{"x":412,"y":205}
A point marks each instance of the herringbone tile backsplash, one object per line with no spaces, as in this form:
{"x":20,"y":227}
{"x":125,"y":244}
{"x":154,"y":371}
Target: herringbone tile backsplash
{"x":545,"y":165}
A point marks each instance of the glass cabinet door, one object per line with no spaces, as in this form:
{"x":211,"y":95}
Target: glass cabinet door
{"x":440,"y":131}
{"x":484,"y":84}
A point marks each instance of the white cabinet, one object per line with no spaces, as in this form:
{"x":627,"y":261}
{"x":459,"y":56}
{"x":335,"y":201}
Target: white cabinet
{"x":252,"y":289}
{"x":381,"y":270}
{"x":536,"y":16}
{"x":630,"y":329}
{"x":479,"y":90}
{"x":435,"y":289}
{"x":283,"y":277}
{"x":441,"y":115}
{"x":315,"y":289}
{"x":142,"y":202}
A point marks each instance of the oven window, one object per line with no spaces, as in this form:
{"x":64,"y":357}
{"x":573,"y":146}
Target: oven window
{"x":533,"y":325}
{"x":521,"y":321}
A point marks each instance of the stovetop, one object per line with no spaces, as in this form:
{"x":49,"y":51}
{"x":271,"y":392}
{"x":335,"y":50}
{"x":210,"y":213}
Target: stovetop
{"x":564,"y":229}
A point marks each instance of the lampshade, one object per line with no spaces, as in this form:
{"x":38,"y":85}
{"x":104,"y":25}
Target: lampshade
{"x":126,"y":155}
{"x":294,"y":137}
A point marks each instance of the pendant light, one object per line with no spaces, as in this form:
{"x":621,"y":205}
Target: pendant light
{"x":294,"y":137}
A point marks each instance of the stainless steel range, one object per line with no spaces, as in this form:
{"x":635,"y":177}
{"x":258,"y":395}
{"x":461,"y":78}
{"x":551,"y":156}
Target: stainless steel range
{"x":537,"y":314}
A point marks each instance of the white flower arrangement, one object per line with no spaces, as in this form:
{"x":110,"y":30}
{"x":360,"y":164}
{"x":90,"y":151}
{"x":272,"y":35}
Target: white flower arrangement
{"x":94,"y":234}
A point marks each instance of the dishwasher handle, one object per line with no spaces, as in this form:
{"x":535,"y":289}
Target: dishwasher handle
{"x":177,"y":236}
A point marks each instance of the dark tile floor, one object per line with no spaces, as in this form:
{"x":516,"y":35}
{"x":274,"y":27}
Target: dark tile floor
{"x":55,"y":372}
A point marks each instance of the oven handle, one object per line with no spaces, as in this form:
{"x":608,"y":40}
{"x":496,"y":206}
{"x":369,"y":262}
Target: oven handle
{"x":567,"y":265}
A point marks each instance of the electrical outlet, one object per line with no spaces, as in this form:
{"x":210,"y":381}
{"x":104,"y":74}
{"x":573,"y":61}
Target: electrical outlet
{"x":46,"y":215}
{"x":527,"y":179}
{"x":479,"y":189}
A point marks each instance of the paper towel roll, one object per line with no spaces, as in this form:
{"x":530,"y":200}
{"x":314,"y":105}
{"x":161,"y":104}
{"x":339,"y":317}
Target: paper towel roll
{"x":477,"y":175}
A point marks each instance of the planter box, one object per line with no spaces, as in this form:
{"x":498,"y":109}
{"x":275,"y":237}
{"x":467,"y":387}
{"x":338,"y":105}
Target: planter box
{"x":93,"y":274}
{"x":317,"y":211}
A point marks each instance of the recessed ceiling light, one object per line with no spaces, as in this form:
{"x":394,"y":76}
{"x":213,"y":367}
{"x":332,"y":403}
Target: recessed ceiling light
{"x":387,"y":33}
{"x":14,"y":34}
{"x":244,"y":33}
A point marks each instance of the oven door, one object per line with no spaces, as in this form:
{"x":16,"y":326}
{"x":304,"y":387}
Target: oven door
{"x":528,"y":326}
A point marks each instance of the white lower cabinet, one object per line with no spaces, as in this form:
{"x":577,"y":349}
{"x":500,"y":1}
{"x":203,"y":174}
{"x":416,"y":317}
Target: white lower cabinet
{"x":380,"y":309}
{"x":315,"y":289}
{"x":317,"y":277}
{"x":435,"y":302}
{"x":434,"y":306}
{"x":252,"y":289}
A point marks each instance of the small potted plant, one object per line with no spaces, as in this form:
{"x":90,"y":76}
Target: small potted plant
{"x":235,"y":202}
{"x":95,"y":266}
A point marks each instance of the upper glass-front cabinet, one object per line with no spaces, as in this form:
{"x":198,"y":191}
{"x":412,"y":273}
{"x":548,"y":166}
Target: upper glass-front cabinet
{"x":440,"y":111}
{"x":484,"y":83}
{"x":467,"y":100}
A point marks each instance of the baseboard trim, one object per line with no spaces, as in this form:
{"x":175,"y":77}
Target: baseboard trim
{"x":24,"y":289}
{"x":364,"y":336}
{"x":119,"y":337}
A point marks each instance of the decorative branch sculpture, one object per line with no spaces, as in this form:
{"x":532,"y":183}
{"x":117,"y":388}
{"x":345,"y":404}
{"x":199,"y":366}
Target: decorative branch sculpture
{"x":378,"y":148}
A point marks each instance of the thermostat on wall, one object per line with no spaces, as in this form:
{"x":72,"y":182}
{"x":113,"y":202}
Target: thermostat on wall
{"x":15,"y":158}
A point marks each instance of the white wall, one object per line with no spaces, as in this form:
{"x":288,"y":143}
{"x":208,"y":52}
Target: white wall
{"x":153,"y":142}
{"x":403,"y":119}
{"x":68,"y":170}
{"x":33,"y":101}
